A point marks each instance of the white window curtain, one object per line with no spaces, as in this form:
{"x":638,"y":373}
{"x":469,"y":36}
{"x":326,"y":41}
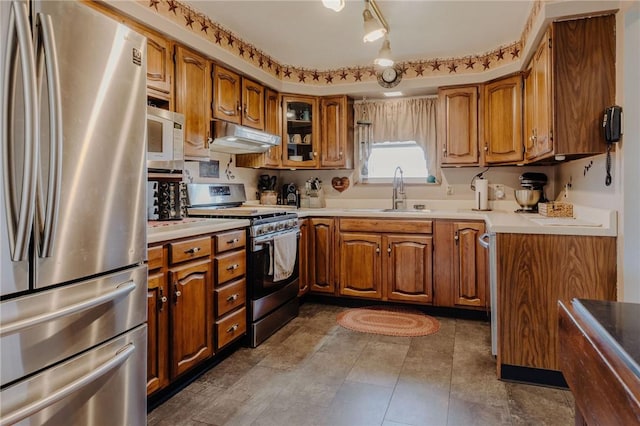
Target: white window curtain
{"x":400,"y":120}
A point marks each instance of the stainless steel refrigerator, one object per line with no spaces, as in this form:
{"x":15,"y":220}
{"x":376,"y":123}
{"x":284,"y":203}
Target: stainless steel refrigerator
{"x":73,"y":222}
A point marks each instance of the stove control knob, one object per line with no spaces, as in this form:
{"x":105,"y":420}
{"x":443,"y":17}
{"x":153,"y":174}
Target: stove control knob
{"x":269,"y":227}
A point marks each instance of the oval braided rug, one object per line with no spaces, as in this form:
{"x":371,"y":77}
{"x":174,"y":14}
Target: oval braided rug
{"x":389,"y":321}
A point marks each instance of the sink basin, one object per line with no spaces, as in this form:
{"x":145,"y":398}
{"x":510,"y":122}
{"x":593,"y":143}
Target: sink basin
{"x":407,"y":210}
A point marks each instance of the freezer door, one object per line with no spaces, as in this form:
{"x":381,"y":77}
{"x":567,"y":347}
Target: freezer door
{"x":91,"y":214}
{"x":104,"y":386}
{"x":39,"y":330}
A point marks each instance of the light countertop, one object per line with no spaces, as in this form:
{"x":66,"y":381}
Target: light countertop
{"x":587,"y":221}
{"x":158,"y":231}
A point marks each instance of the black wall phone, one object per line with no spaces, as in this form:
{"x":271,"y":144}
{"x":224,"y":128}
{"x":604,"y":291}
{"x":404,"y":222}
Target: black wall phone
{"x":612,"y":124}
{"x":612,"y":127}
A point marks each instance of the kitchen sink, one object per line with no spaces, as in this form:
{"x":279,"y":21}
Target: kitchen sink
{"x":406,"y":210}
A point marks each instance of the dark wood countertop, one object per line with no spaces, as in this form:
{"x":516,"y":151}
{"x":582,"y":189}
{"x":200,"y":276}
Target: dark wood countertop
{"x":599,"y":354}
{"x":619,"y":324}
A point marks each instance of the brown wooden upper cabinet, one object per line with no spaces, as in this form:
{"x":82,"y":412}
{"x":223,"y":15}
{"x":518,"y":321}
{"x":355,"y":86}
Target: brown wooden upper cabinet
{"x":159,"y":65}
{"x":458,"y":125}
{"x":573,"y":82}
{"x":336,"y":136}
{"x":300,"y":131}
{"x":272,"y":158}
{"x":502,"y":120}
{"x":193,"y":99}
{"x":538,"y":112}
{"x":237,"y":99}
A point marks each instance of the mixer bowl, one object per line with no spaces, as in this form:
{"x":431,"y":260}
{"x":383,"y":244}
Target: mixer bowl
{"x":527,"y":198}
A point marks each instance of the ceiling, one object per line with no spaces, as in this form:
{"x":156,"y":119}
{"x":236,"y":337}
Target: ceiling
{"x":305,"y":34}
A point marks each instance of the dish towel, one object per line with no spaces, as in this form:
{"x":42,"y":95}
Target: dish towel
{"x":285,"y":249}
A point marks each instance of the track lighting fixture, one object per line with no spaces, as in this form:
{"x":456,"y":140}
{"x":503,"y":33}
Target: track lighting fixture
{"x":374,"y":27}
{"x":384,"y":55}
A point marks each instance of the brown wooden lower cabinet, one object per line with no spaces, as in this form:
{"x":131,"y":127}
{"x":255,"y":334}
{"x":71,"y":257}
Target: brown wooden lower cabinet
{"x":187,"y":320}
{"x":360,"y":265}
{"x":534,"y":272}
{"x":303,"y":256}
{"x":408,"y":268}
{"x":461,"y":278}
{"x":157,"y":336}
{"x":191,"y":315}
{"x":321,"y":233}
{"x":385,"y":259}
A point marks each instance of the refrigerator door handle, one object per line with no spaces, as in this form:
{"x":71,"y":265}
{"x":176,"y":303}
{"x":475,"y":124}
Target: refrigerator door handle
{"x":22,"y":413}
{"x":21,"y":324}
{"x":20,"y":219}
{"x":47,"y":58}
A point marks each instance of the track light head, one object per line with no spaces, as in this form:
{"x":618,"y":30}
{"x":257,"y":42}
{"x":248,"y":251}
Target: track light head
{"x":373,"y":29}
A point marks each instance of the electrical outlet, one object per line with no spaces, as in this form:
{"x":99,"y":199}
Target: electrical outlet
{"x":498,"y":191}
{"x":449,"y":189}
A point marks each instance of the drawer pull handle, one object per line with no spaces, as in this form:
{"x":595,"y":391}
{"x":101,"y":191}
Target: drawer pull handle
{"x":233,"y":328}
{"x":235,"y":240}
{"x":233,"y":267}
{"x":233,"y":297}
{"x":193,"y":250}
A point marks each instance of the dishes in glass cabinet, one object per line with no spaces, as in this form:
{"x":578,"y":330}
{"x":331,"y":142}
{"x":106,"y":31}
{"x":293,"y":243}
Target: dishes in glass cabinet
{"x":296,"y":138}
{"x":306,"y":139}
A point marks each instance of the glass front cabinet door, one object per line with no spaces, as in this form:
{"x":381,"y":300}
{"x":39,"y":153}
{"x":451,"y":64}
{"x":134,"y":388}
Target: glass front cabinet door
{"x":300,"y":135}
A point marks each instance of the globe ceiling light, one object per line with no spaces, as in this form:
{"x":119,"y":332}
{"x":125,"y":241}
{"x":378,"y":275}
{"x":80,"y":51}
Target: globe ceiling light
{"x":335,"y":5}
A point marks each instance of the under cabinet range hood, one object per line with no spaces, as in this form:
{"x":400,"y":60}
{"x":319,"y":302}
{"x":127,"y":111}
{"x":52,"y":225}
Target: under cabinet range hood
{"x":235,"y":139}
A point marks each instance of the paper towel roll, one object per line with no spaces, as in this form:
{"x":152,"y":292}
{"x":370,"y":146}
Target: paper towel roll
{"x":482,"y":194}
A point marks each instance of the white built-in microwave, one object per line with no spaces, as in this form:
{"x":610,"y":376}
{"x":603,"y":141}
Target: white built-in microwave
{"x":165,"y":139}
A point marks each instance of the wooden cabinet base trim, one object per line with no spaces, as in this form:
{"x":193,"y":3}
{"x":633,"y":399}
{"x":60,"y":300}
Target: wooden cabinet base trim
{"x":532,"y":375}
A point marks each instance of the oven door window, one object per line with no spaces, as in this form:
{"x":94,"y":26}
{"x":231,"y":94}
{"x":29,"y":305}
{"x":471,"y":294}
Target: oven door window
{"x":260,"y":271}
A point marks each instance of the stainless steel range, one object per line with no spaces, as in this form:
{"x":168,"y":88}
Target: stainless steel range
{"x":272,"y":254}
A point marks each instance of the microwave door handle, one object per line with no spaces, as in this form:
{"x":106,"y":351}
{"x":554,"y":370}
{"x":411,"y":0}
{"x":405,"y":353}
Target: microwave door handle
{"x":20,"y":219}
{"x":48,"y":59}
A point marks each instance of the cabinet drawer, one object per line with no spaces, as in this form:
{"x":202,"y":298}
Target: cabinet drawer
{"x":386,"y":225}
{"x":231,"y":327}
{"x":230,"y":266}
{"x":230,"y":240}
{"x":230,"y":296}
{"x":156,"y":257}
{"x":190,"y":249}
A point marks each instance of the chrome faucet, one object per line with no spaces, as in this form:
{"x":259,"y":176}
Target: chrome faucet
{"x":398,"y":197}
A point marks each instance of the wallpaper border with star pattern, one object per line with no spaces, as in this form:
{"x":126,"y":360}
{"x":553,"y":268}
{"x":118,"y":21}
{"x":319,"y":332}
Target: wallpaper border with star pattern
{"x":203,"y":26}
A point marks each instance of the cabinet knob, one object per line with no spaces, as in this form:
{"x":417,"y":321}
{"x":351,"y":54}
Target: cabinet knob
{"x":233,"y":328}
{"x":486,"y":148}
{"x":233,"y":267}
{"x":389,"y":250}
{"x":315,"y":154}
{"x":177,"y":293}
{"x":235,"y":240}
{"x":233,"y":297}
{"x":193,"y":250}
{"x":378,"y":249}
{"x":162,"y":300}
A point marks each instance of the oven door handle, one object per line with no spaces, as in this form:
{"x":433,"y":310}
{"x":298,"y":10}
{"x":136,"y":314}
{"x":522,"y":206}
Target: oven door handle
{"x":258,"y":242}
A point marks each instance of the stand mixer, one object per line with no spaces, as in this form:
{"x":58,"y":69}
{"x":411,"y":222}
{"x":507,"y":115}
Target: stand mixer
{"x":533,"y":192}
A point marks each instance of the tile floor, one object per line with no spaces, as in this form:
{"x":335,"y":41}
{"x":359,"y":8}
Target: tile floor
{"x":314,"y":372}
